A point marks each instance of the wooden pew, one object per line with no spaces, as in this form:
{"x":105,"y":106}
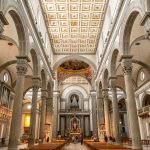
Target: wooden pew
{"x":57,"y":145}
{"x":104,"y":146}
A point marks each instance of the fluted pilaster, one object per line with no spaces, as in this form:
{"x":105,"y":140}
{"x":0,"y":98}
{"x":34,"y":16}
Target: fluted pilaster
{"x":56,"y":97}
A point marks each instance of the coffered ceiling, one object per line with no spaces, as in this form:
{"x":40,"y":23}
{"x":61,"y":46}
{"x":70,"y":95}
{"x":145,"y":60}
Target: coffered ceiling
{"x":74,"y":25}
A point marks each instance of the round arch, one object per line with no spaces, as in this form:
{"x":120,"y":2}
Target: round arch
{"x":35,"y":62}
{"x":44,"y":79}
{"x":113,"y":63}
{"x":15,"y":13}
{"x":81,"y":58}
{"x":105,"y":83}
{"x":133,"y":11}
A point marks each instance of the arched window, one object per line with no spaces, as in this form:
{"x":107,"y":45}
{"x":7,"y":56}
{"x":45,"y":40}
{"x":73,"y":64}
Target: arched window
{"x":74,"y":101}
{"x":146,"y":100}
{"x":5,"y":77}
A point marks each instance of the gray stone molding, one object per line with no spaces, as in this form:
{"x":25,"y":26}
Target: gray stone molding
{"x":44,"y":94}
{"x":3,"y":21}
{"x":146,"y":23}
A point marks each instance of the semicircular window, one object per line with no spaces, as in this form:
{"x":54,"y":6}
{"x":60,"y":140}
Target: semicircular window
{"x":5,"y":77}
{"x":146,"y":100}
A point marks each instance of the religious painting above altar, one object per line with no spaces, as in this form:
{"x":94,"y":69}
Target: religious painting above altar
{"x":74,"y":65}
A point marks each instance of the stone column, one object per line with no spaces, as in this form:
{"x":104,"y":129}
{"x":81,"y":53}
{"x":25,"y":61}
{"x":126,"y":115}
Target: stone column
{"x":100,"y":116}
{"x":17,"y":108}
{"x":94,"y":112}
{"x":106,"y":111}
{"x":131,"y":104}
{"x":35,"y":87}
{"x":56,"y":97}
{"x":115,"y":109}
{"x":49,"y":112}
{"x":43,"y":114}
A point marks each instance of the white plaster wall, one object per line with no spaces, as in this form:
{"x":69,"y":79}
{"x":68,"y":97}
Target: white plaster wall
{"x":86,"y":87}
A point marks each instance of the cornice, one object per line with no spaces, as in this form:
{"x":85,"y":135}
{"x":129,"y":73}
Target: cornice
{"x":109,"y":38}
{"x":32,"y":25}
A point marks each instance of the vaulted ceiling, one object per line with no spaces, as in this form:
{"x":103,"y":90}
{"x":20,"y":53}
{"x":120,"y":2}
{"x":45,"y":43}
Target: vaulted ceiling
{"x":74,"y":25}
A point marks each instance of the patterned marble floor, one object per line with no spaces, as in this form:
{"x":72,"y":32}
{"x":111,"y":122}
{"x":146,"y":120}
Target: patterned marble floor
{"x":77,"y":146}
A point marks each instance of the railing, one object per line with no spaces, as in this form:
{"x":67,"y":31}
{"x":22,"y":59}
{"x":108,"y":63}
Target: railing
{"x":5,"y":113}
{"x":144,"y":111}
{"x":74,"y":111}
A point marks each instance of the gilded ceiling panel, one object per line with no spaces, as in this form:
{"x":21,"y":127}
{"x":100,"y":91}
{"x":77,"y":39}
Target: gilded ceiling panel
{"x":74,"y":25}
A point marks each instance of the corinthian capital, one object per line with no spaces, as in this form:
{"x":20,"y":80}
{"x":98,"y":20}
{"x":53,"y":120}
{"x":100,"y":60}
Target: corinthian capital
{"x":105,"y":93}
{"x":93,"y":93}
{"x":22,"y":65}
{"x":126,"y":63}
{"x":146,"y":23}
{"x":44,"y":94}
{"x":36,"y":84}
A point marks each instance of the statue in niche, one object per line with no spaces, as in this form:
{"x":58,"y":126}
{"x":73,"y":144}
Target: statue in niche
{"x":74,"y":101}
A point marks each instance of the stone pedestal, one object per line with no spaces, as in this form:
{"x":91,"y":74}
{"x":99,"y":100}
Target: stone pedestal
{"x":15,"y":128}
{"x":131,"y":104}
{"x":36,"y":85}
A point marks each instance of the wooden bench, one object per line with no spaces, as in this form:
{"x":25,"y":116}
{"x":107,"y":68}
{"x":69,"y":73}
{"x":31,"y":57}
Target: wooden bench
{"x":57,"y":145}
{"x":128,"y":142}
{"x":104,"y":146}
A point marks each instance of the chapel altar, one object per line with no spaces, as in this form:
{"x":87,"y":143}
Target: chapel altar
{"x":75,"y":129}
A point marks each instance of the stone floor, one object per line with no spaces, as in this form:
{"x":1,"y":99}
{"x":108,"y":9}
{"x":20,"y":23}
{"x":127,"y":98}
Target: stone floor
{"x":77,"y":146}
{"x":20,"y":146}
{"x":71,"y":146}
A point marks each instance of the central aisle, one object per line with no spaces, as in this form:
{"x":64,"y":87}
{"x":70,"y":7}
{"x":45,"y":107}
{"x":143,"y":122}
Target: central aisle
{"x":77,"y":146}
